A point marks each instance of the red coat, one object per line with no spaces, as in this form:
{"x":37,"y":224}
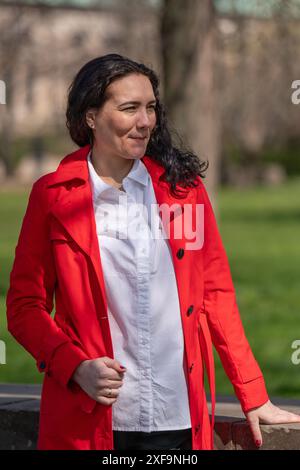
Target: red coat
{"x":57,"y":253}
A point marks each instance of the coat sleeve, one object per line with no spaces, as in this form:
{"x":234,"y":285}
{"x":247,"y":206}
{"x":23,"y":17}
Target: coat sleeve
{"x":29,"y":300}
{"x":220,"y":307}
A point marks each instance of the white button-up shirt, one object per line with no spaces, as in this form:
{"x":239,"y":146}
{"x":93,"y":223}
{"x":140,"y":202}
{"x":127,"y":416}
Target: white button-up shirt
{"x":143,"y":305}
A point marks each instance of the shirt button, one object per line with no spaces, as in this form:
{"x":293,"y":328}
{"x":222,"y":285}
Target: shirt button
{"x":190,"y":310}
{"x":42,"y":365}
{"x":180,"y":253}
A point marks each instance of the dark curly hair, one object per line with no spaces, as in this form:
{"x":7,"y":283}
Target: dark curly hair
{"x":88,"y":91}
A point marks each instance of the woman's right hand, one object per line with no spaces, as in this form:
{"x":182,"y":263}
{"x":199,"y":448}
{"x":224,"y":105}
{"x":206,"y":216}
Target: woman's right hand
{"x":97,"y":376}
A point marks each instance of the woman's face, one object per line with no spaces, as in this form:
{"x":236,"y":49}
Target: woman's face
{"x":122,"y":126}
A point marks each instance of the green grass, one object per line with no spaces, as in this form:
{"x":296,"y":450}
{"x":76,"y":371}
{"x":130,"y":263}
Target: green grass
{"x":20,"y":366}
{"x":261,"y":231}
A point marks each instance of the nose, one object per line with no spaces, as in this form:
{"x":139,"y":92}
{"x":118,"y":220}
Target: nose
{"x":143,"y":120}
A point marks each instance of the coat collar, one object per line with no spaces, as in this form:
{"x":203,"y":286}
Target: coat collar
{"x":75,"y":167}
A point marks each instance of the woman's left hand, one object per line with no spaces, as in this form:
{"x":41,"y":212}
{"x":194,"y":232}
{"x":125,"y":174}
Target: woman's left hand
{"x":268,"y":414}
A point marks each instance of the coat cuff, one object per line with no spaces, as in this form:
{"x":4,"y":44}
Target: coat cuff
{"x":252,"y":394}
{"x":63,"y":363}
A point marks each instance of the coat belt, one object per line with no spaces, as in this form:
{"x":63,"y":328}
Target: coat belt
{"x":207,"y":354}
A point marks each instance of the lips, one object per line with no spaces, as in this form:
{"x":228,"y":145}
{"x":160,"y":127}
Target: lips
{"x":139,"y":137}
{"x":138,"y":141}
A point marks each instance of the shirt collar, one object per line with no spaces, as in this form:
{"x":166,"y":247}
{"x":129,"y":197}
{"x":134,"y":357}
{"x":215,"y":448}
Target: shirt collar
{"x":138,"y":173}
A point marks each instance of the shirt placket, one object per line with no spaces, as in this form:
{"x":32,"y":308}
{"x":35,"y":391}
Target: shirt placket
{"x":144,"y":251}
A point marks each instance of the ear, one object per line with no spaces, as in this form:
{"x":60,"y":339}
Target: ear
{"x":90,"y":117}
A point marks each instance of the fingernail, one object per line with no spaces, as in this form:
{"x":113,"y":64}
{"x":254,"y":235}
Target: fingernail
{"x":122,"y":367}
{"x":258,"y":443}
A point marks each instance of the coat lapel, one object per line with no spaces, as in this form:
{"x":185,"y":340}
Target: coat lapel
{"x":74,"y":209}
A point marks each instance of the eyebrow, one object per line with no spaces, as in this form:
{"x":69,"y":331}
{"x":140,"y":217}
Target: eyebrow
{"x":136,"y":102}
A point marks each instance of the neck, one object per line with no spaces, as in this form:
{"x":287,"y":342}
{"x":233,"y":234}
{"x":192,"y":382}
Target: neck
{"x":111,"y":169}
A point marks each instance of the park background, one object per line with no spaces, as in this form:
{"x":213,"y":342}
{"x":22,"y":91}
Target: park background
{"x":227,"y":70}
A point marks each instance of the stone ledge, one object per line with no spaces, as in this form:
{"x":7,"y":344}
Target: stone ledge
{"x":19,"y":415}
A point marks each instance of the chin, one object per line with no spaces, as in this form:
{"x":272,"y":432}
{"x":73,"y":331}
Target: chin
{"x":136,"y":155}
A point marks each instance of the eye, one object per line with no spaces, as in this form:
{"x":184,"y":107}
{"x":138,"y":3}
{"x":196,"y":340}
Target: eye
{"x":153,"y":106}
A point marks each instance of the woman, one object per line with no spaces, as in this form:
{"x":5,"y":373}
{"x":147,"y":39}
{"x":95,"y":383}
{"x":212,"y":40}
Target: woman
{"x":135,"y":314}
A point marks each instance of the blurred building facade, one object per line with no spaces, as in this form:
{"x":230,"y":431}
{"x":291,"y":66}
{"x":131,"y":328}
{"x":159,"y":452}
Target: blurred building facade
{"x":42,"y":47}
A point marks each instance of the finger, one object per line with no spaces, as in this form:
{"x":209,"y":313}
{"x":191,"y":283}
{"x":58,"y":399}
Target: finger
{"x":108,"y":392}
{"x":114,"y":383}
{"x":288,"y":417}
{"x":296,"y":418}
{"x":114,"y":375}
{"x":281,"y":416}
{"x":120,"y":368}
{"x":114,"y":370}
{"x":106,"y":401}
{"x":255,"y":431}
{"x":107,"y":373}
{"x":114,"y":364}
{"x":109,"y":383}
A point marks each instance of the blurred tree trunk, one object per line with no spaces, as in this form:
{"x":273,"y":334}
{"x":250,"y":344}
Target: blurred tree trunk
{"x":188,"y":39}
